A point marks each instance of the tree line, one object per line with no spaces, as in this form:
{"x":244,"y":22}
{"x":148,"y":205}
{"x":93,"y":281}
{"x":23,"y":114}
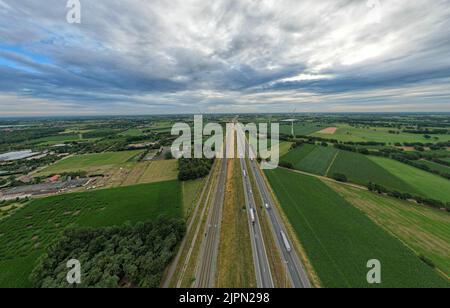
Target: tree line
{"x":116,"y":257}
{"x":193,"y":168}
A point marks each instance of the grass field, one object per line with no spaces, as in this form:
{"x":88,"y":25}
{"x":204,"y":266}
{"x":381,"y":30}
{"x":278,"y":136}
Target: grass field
{"x":91,"y":163}
{"x":160,"y":170}
{"x":425,"y":230}
{"x":300,"y":129}
{"x":378,"y":134}
{"x":191,"y":193}
{"x":340,"y":239}
{"x":360,"y":169}
{"x":25,"y":235}
{"x":59,"y":139}
{"x":133,"y":132}
{"x":311,"y":158}
{"x":427,"y":184}
{"x":435,"y":166}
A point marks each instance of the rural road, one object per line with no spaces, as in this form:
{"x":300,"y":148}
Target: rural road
{"x":295,"y":268}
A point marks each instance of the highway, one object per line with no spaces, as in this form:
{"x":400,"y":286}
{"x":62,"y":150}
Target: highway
{"x":261,"y":262}
{"x":295,"y":268}
{"x":207,"y":265}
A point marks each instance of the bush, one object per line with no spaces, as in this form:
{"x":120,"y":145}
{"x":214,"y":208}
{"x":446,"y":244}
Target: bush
{"x":193,"y":168}
{"x":340,"y":177}
{"x":287,"y":165}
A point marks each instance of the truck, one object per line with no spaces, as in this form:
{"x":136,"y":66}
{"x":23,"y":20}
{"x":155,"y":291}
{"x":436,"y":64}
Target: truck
{"x":245,"y":173}
{"x":252,"y":216}
{"x":286,"y":242}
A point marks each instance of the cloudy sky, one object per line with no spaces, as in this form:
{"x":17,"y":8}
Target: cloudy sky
{"x":186,"y":56}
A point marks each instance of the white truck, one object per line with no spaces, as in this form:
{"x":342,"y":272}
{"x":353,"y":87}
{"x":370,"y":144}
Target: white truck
{"x":286,"y":242}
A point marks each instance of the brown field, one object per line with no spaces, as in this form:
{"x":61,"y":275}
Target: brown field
{"x":328,"y":131}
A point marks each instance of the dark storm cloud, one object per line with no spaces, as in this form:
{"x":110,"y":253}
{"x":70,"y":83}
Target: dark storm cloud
{"x":248,"y":55}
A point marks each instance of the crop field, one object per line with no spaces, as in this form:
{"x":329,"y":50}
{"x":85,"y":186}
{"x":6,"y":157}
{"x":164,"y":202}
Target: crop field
{"x":58,"y":139}
{"x":134,"y":132}
{"x":425,"y":230}
{"x":311,"y":158}
{"x":300,"y":129}
{"x":25,"y":235}
{"x":99,"y":162}
{"x":435,"y":166}
{"x":427,"y":184}
{"x":360,"y":169}
{"x":347,"y":133}
{"x":340,"y":239}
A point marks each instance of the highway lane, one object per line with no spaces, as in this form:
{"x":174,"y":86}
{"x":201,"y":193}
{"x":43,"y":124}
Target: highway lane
{"x":261,"y":262}
{"x":295,"y":268}
{"x":207,"y":266}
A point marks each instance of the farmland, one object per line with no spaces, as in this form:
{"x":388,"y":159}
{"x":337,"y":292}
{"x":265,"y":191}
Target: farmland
{"x":311,"y":158}
{"x":25,"y":235}
{"x":360,"y":169}
{"x":300,"y":129}
{"x":339,"y":239}
{"x":91,"y":163}
{"x":425,"y":230}
{"x":378,"y":134}
{"x":427,"y":184}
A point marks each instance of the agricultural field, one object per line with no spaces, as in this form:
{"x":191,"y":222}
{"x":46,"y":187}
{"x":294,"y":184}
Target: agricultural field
{"x":58,"y":139}
{"x":91,"y":163}
{"x":360,"y":169}
{"x":435,"y":166}
{"x":133,"y":132}
{"x":25,"y":235}
{"x":340,"y":239}
{"x":424,"y":230}
{"x":427,"y":184}
{"x":160,"y":170}
{"x":348,"y":133}
{"x":301,"y":129}
{"x":311,"y":158}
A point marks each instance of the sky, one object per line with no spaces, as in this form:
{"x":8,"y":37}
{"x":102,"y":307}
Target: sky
{"x":224,"y":56}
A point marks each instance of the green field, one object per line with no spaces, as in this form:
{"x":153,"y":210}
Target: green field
{"x":425,"y":230}
{"x":360,"y":169}
{"x":25,"y":235}
{"x":339,"y":239}
{"x":435,"y":166}
{"x":98,"y":162}
{"x":347,"y":133}
{"x":58,"y":139}
{"x":311,"y":158}
{"x":427,"y":184}
{"x":133,"y":132}
{"x":300,"y":129}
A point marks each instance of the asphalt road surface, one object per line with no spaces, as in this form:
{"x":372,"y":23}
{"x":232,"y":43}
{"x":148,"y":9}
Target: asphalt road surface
{"x":261,"y":262}
{"x":295,"y":268}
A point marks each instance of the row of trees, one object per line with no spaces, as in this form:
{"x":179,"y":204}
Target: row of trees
{"x":122,"y":256}
{"x":193,"y":168}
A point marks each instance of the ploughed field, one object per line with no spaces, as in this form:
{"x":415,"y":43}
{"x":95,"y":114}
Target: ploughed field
{"x":25,"y":235}
{"x":339,"y":239}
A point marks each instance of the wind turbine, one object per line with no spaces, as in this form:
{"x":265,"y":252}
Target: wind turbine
{"x":292,"y":123}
